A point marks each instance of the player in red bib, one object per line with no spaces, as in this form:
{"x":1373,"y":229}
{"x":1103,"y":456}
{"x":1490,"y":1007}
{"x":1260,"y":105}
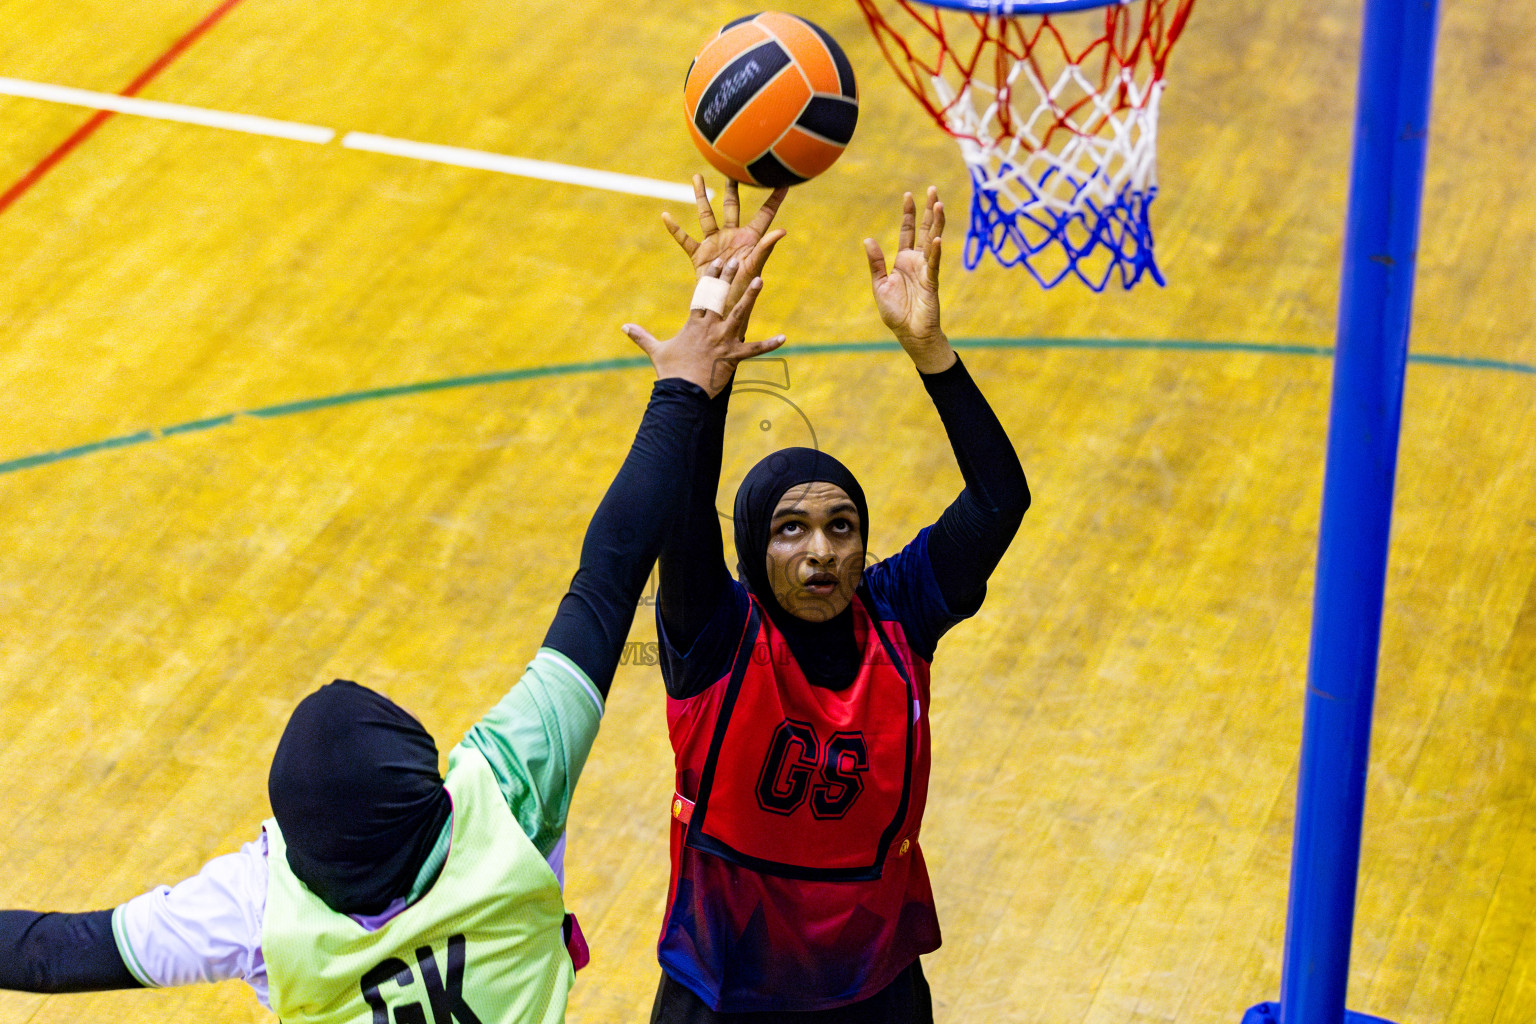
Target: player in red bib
{"x":798,"y":694}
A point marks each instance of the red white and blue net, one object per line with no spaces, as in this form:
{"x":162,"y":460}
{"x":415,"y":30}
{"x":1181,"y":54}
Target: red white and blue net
{"x":1054,"y":104}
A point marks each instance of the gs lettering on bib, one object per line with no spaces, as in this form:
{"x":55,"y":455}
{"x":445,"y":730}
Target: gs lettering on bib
{"x":805,"y":782}
{"x":798,"y":882}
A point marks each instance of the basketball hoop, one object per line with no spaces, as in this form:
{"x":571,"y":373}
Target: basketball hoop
{"x":1054,"y":104}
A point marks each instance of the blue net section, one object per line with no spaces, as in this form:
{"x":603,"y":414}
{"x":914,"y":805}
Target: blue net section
{"x":1055,"y":110}
{"x":1092,"y":240}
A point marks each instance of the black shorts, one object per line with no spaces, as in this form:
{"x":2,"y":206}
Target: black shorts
{"x":904,"y":1001}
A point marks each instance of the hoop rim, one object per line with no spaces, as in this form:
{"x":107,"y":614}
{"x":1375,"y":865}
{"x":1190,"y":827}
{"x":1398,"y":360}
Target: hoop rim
{"x":1011,"y":8}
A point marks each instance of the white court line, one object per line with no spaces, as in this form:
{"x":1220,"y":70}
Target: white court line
{"x":166,"y":111}
{"x":520,"y":166}
{"x":451,"y":155}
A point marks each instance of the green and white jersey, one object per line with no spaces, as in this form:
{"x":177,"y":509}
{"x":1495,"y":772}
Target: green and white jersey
{"x":532,"y":746}
{"x":482,"y":946}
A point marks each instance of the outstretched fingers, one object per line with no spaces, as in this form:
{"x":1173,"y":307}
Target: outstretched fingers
{"x":726,"y":236}
{"x":763,"y":219}
{"x":731,"y":204}
{"x":707,"y":222}
{"x":751,"y":266}
{"x":908,"y":221}
{"x":876,"y":257}
{"x":935,"y":226}
{"x":687,"y":241}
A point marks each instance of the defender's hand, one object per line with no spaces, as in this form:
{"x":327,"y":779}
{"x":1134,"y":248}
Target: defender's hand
{"x":709,"y":345}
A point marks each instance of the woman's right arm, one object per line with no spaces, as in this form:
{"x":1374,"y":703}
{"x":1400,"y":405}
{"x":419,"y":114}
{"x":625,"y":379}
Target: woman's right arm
{"x":695,"y":579}
{"x":59,"y":952}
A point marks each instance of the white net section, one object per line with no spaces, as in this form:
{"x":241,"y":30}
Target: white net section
{"x":1060,"y":136}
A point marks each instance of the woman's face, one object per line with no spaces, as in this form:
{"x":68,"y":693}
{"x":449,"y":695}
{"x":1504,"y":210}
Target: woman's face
{"x":815,"y":552}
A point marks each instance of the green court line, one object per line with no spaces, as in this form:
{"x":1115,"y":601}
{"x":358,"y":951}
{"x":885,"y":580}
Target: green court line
{"x":1472,"y":364}
{"x":28,"y":461}
{"x":187,"y":428}
{"x":636,"y":362}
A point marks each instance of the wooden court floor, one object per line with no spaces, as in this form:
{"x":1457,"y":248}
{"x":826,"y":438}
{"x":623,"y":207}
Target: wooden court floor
{"x":281,"y":411}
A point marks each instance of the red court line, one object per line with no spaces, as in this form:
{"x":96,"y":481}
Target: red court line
{"x":86,"y":130}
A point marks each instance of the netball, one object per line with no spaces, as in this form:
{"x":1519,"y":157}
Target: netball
{"x":771,"y":100}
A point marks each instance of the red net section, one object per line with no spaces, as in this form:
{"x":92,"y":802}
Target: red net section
{"x":1056,"y":115}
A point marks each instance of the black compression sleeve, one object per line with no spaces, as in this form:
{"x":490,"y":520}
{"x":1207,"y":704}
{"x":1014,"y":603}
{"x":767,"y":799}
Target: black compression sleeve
{"x":692,"y":565}
{"x":626,"y":532}
{"x":972,"y":535}
{"x":42,"y":952}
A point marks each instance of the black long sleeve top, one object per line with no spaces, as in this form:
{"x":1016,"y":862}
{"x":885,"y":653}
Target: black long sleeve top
{"x":964,"y":545}
{"x":627,"y":532}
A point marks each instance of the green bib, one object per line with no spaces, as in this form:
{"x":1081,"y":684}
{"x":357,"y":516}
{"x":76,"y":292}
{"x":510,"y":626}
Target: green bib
{"x":483,"y":946}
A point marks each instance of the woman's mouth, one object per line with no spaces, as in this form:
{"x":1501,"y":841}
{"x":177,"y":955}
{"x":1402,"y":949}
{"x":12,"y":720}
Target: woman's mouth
{"x":821,"y":583}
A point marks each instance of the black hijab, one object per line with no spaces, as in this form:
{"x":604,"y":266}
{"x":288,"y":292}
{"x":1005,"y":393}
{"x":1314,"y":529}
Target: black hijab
{"x":354,"y":787}
{"x":827,"y":652}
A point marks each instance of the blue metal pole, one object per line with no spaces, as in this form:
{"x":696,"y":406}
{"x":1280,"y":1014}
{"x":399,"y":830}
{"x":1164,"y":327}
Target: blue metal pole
{"x":1380,"y":248}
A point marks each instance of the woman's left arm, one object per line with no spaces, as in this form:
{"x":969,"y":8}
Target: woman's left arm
{"x":974,"y":532}
{"x":971,"y":536}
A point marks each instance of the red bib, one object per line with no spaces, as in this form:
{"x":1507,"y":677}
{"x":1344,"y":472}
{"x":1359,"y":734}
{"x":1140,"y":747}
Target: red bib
{"x":802,"y":781}
{"x":797,"y":879}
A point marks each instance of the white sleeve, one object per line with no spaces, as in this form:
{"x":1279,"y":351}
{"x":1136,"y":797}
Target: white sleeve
{"x":207,"y":928}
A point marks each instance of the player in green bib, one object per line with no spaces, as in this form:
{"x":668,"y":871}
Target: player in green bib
{"x":379,"y":891}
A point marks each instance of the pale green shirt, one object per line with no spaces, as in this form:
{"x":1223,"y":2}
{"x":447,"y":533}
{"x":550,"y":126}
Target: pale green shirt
{"x":208,"y":927}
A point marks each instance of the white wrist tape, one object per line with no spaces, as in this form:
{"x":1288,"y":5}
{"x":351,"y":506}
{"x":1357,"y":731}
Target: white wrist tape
{"x":709,"y":294}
